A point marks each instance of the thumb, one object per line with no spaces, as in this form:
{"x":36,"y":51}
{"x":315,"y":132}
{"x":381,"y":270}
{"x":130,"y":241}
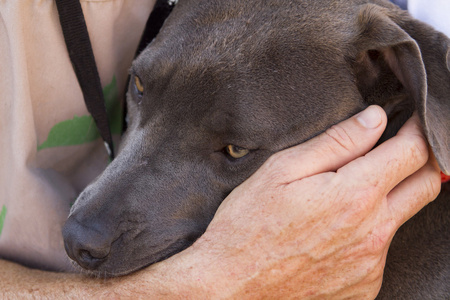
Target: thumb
{"x":332,"y":149}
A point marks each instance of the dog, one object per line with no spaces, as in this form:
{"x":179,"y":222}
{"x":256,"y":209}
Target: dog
{"x":226,"y":84}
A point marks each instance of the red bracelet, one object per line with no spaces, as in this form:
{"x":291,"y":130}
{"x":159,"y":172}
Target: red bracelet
{"x":444,"y":178}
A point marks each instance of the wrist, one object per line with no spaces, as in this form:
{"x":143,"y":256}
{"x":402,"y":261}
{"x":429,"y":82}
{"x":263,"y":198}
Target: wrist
{"x":190,"y":274}
{"x":197,"y":272}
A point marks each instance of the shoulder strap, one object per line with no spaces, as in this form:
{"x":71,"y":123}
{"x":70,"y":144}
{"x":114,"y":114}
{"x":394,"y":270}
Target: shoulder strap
{"x":80,"y":52}
{"x":81,"y":55}
{"x":160,"y":12}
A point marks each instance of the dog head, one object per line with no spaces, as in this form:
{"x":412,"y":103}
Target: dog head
{"x":228,"y":83}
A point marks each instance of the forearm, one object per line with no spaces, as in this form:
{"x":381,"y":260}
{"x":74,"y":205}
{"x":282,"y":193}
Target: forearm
{"x":18,"y":282}
{"x":171,"y":279}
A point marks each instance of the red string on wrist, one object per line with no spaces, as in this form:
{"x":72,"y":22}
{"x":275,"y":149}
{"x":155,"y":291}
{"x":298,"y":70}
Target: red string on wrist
{"x":444,"y":178}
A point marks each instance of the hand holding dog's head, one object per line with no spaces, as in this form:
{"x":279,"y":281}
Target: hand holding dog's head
{"x":228,"y":83}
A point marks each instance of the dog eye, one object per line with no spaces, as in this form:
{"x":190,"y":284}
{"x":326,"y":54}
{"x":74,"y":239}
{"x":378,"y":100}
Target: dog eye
{"x":139,"y":86}
{"x":236,"y":151}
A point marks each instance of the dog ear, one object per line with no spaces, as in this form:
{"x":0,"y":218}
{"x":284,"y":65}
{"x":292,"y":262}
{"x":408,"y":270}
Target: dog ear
{"x":403,"y":65}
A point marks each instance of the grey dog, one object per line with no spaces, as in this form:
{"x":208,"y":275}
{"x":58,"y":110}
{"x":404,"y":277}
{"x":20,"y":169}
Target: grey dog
{"x":228,"y":83}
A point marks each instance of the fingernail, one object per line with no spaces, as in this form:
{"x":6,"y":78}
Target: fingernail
{"x":370,"y":117}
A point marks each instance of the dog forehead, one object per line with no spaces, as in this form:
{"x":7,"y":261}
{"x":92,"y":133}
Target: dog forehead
{"x":245,"y":57}
{"x":219,"y":39}
{"x":234,"y":31}
{"x":217,"y":21}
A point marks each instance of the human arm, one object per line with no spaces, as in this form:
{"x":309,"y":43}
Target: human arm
{"x":315,"y":221}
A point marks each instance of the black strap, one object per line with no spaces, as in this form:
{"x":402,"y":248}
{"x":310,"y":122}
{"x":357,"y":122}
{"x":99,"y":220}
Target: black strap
{"x":80,"y":51}
{"x":160,"y":12}
{"x":79,"y":46}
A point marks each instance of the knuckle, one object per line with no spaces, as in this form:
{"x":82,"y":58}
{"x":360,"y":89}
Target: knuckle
{"x":362,"y":200}
{"x":274,"y":167}
{"x":416,"y":148}
{"x":359,"y":208}
{"x":275,"y":159}
{"x":432,"y":187}
{"x":340,"y":138}
{"x":376,"y":243}
{"x":379,"y":239}
{"x":274,"y":162}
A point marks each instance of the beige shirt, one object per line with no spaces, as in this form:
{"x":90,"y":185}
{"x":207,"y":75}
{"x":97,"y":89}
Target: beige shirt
{"x":49,"y":146}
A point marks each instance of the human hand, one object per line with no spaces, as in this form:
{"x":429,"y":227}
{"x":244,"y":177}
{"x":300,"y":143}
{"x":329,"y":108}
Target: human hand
{"x":316,"y":220}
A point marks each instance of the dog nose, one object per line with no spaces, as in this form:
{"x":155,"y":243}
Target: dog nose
{"x":88,"y":246}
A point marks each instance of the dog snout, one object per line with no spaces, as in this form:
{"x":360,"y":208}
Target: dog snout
{"x":89,"y":247}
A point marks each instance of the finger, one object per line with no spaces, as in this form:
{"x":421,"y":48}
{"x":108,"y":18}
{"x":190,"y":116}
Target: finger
{"x":332,"y":149}
{"x":415,"y":192}
{"x":391,"y":162}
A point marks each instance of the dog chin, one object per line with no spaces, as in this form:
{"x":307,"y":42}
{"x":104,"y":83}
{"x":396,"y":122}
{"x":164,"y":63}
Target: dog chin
{"x":106,"y":270}
{"x":101,"y":274}
{"x":110,"y":272}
